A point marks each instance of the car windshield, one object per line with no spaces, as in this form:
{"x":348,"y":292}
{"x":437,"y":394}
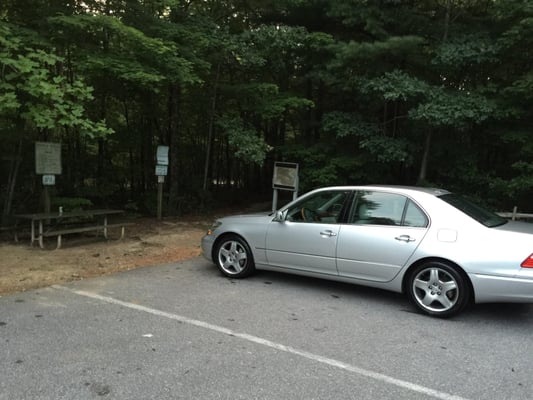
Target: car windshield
{"x":480,"y":214}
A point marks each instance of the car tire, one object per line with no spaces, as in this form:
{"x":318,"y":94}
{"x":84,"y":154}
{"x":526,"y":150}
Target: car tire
{"x":233,"y":257}
{"x":438,"y":288}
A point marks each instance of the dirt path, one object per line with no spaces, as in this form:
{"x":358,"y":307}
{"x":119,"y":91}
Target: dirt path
{"x":147,"y":242}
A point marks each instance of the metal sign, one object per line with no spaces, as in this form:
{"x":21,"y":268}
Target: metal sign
{"x":161,"y":170}
{"x":49,"y":180}
{"x":47,"y":158}
{"x":162,"y":155}
{"x":285,"y":176}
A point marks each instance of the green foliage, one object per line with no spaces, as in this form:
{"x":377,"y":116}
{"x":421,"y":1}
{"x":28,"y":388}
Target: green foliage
{"x":71,"y":203}
{"x":127,"y":53}
{"x":343,"y":124}
{"x":33,"y":92}
{"x":466,"y":51}
{"x":323,"y":165}
{"x":387,"y":150}
{"x":370,"y":137}
{"x":244,"y":141}
{"x":522,"y":87}
{"x":348,"y":89}
{"x":360,"y":54}
{"x":395,"y":85}
{"x":316,"y":166}
{"x":265,"y":99}
{"x":518,"y":189}
{"x":273,"y":45}
{"x":454,"y":109}
{"x":360,"y":14}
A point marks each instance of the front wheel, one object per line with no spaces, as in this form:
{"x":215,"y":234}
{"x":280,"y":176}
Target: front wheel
{"x":438,"y":289}
{"x":234,"y":257}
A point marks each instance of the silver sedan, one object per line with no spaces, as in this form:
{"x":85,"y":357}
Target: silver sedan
{"x":440,"y":249}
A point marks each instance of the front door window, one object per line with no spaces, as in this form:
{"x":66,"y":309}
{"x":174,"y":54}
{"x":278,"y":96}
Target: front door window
{"x":323,"y":207}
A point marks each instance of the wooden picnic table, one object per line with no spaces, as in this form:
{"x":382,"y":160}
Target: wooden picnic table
{"x":54,"y":223}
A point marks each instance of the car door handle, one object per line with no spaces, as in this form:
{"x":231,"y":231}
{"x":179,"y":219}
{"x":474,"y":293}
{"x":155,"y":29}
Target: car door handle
{"x":328,"y":233}
{"x":405,"y":238}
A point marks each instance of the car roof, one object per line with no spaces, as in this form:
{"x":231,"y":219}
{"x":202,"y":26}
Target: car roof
{"x":396,"y":188}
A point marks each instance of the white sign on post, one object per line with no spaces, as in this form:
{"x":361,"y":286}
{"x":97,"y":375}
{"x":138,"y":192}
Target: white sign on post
{"x":47,"y":158}
{"x":162,"y":155}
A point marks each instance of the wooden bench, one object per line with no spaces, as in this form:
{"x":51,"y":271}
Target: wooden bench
{"x":92,"y":228}
{"x":9,"y":229}
{"x":62,"y":223}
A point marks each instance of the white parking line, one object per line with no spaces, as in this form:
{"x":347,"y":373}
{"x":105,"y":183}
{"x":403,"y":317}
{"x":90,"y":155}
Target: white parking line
{"x":278,"y":346}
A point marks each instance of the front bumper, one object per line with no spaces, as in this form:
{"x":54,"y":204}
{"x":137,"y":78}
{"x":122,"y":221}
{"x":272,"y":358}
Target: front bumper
{"x":207,"y":247}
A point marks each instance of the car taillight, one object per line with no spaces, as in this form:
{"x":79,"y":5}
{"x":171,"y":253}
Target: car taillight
{"x":528,"y":262}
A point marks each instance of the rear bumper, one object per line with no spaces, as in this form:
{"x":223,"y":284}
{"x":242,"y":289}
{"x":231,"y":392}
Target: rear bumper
{"x":500,"y":289}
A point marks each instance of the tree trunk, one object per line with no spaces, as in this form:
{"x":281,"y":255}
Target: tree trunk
{"x":173,"y":111}
{"x":100,"y":167}
{"x":210,"y":134}
{"x":425,"y":157}
{"x":447,"y":17}
{"x":422,"y":176}
{"x":12,"y":179}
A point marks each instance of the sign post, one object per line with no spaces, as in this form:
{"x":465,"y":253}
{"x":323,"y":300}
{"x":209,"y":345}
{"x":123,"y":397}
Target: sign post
{"x":285,"y":178}
{"x":161,"y":170}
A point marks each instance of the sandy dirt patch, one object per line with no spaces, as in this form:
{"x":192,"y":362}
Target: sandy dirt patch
{"x":147,"y":242}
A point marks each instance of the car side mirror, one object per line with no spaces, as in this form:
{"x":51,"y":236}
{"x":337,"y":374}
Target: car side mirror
{"x":280,"y":216}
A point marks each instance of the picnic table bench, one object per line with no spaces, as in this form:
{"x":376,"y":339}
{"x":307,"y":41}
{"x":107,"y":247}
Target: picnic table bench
{"x":64,"y":223}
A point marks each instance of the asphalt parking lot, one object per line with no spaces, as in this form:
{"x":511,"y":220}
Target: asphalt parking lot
{"x":182,"y":331}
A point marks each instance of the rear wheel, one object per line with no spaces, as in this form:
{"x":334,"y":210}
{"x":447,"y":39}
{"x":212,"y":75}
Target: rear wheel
{"x":439,"y":289}
{"x":234,"y":257}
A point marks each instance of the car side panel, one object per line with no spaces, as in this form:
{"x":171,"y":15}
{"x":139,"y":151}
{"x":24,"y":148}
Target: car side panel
{"x":302,"y":246}
{"x":376,"y":253}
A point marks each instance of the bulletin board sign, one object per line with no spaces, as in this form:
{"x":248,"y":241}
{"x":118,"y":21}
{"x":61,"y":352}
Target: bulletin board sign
{"x":285,"y":176}
{"x":47,"y":158}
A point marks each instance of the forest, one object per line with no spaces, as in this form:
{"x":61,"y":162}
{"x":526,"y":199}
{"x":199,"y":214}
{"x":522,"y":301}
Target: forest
{"x":410,"y":92}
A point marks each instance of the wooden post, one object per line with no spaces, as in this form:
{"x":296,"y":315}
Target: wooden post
{"x":46,"y":201}
{"x":160,"y":197}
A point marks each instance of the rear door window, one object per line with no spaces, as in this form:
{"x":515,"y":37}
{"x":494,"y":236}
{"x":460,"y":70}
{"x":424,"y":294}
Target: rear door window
{"x":382,"y":208}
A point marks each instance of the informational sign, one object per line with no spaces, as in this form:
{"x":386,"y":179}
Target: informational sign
{"x":285,"y":176}
{"x":47,"y":158}
{"x":161,"y":170}
{"x":162,"y":155}
{"x":49,"y":180}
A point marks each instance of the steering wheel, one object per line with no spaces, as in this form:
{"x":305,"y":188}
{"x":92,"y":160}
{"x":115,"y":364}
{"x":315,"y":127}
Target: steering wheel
{"x":309,"y":215}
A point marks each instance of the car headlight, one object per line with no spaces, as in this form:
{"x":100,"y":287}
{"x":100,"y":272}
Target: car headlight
{"x":213,"y":227}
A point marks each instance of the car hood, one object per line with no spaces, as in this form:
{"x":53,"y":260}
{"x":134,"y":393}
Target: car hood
{"x":253,"y":215}
{"x":247,"y":218}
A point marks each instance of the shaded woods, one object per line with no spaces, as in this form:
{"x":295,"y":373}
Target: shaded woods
{"x":434,"y":92}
